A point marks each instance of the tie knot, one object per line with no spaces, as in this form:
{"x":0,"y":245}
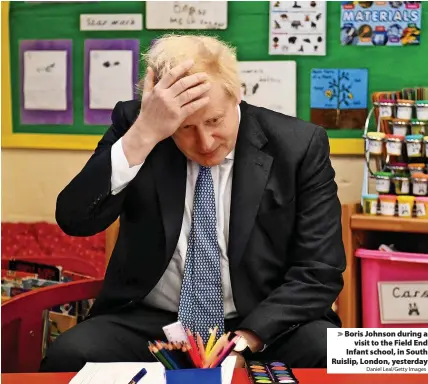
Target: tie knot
{"x":204,"y":169}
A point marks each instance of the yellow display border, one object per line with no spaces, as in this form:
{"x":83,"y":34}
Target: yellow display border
{"x":82,"y":142}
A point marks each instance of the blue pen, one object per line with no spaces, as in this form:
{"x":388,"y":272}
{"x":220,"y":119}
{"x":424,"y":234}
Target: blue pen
{"x":138,"y":376}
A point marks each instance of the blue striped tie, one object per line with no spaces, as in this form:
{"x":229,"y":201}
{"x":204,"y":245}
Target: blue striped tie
{"x":201,"y":298}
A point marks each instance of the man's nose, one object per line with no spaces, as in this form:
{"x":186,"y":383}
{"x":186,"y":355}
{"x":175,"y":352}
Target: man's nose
{"x":206,"y":142}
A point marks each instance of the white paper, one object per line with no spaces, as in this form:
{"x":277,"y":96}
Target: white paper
{"x":45,"y":80}
{"x":110,"y":78}
{"x":297,"y":28}
{"x":227,"y":368}
{"x":119,"y":373}
{"x":175,"y":333}
{"x":111,"y":22}
{"x":186,"y":14}
{"x":269,"y":84}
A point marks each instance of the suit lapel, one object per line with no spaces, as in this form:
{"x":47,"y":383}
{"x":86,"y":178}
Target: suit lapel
{"x":250,"y":175}
{"x":170,"y":169}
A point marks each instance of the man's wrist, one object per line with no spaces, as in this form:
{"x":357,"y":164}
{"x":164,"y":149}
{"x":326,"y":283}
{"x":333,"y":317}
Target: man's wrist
{"x":253,"y":341}
{"x":137,"y":145}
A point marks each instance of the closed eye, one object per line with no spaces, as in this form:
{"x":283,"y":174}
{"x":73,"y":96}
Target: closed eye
{"x":214,"y":121}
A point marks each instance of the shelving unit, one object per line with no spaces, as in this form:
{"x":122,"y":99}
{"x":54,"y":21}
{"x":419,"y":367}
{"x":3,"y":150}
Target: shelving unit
{"x":354,"y":228}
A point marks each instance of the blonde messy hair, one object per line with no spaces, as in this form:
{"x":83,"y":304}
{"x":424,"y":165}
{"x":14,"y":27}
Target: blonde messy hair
{"x":211,"y":55}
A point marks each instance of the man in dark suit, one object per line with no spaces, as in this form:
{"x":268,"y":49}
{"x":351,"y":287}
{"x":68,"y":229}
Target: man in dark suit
{"x":229,"y":216}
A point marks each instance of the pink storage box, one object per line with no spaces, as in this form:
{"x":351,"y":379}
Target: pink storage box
{"x":394,"y":288}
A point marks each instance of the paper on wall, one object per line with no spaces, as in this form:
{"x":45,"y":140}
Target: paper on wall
{"x":269,"y":84}
{"x":45,"y":80}
{"x":110,"y":78}
{"x":297,"y":28}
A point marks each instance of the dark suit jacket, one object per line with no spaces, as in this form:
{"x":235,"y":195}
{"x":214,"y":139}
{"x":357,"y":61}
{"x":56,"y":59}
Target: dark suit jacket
{"x":285,"y":248}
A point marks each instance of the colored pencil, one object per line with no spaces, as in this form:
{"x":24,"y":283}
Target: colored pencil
{"x":201,"y":348}
{"x":161,"y":358}
{"x":167,"y":355}
{"x":226,"y":352}
{"x":194,"y":349}
{"x":185,"y":350}
{"x":216,"y":350}
{"x":210,"y":342}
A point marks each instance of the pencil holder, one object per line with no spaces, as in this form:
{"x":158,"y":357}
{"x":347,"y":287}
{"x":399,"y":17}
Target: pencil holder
{"x":194,"y":376}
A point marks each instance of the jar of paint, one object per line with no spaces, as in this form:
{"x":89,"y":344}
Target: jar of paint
{"x":375,"y":142}
{"x":405,"y":109}
{"x":387,"y":205}
{"x":400,"y":127}
{"x":386,"y":107}
{"x":418,"y":127}
{"x":420,"y":184}
{"x":416,"y":168}
{"x":398,"y":169}
{"x":401,"y":185}
{"x":383,"y":182}
{"x":394,"y":144}
{"x":370,"y":204}
{"x":422,"y":109}
{"x":414,"y":145}
{"x":405,"y":205}
{"x":421,"y":207}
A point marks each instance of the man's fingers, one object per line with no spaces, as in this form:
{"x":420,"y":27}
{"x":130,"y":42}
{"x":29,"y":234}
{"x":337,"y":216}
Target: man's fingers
{"x":149,"y":80}
{"x":193,"y":93}
{"x":174,"y":74}
{"x":187,"y":82}
{"x":195,"y":105}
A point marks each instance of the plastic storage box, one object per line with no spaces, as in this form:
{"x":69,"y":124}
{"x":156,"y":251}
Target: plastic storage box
{"x":394,"y":288}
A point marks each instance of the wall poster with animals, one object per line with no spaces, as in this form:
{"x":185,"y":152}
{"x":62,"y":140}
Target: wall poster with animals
{"x":380,"y":23}
{"x":297,"y":28}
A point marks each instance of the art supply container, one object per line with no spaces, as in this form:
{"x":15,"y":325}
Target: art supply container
{"x":416,"y":168}
{"x":400,"y":127}
{"x":414,"y":145}
{"x":422,"y":109}
{"x":418,"y":127}
{"x":383,"y":182}
{"x":398,"y":169}
{"x":401,"y":185}
{"x":375,"y":142}
{"x":405,"y":109}
{"x":394,"y":144}
{"x":387,"y":204}
{"x":392,"y":286}
{"x":405,"y":205}
{"x":370,"y":204}
{"x":421,"y":207}
{"x":420,"y":184}
{"x":386,"y":107}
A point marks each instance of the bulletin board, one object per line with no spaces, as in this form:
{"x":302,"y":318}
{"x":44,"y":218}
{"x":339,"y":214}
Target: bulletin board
{"x":389,"y":68}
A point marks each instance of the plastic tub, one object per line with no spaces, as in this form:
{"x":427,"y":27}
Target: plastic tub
{"x":375,"y":140}
{"x":398,"y":169}
{"x":386,"y":107}
{"x":420,"y":184}
{"x":418,"y":127}
{"x":405,"y":205}
{"x":414,"y":145}
{"x":387,"y":205}
{"x":392,"y":284}
{"x":383,"y":182}
{"x":400,"y":127}
{"x":394,"y":144}
{"x":401,"y":185}
{"x":422,"y":109}
{"x":405,"y":109}
{"x":416,"y":168}
{"x":421,"y":207}
{"x":370,"y":204}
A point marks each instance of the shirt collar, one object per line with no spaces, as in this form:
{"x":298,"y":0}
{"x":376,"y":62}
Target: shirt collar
{"x":231,"y":155}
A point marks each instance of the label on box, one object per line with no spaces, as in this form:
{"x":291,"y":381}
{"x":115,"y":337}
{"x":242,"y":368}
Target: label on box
{"x":375,"y":146}
{"x":414,"y":149}
{"x":394,"y":147}
{"x":403,"y":302}
{"x":387,"y":208}
{"x":382,"y":185}
{"x":404,"y":209}
{"x":420,"y":188}
{"x":420,"y":209}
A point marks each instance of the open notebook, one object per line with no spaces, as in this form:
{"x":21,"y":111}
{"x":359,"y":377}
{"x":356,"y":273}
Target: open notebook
{"x":122,"y":373}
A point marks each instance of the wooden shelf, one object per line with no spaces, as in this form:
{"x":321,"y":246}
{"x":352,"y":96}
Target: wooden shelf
{"x":392,"y":224}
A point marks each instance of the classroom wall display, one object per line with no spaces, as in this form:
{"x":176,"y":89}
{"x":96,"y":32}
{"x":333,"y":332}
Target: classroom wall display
{"x":111,"y":74}
{"x":112,"y":22}
{"x":186,"y":14}
{"x":297,"y":28}
{"x":45,"y":70}
{"x":339,"y":97}
{"x":379,"y":23}
{"x":247,"y":29}
{"x":269,"y":84}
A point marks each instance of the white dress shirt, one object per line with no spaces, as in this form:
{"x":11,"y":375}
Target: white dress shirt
{"x":166,"y":294}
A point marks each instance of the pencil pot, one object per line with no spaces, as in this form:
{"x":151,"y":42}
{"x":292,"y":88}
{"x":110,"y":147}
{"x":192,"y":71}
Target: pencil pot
{"x":194,"y":376}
